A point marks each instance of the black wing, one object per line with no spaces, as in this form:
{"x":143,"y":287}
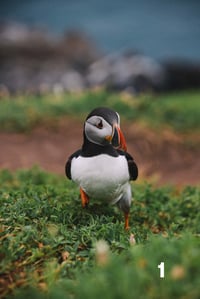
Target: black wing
{"x":68,"y":163}
{"x":132,"y":166}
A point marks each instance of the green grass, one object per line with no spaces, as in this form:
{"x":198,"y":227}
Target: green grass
{"x":179,"y":111}
{"x":48,"y":242}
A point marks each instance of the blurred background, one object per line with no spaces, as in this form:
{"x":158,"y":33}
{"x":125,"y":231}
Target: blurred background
{"x":59,"y":59}
{"x":72,"y":45}
{"x":159,"y":29}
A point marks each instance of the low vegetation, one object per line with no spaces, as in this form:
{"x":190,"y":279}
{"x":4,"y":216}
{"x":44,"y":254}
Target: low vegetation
{"x":179,"y":111}
{"x":52,"y":248}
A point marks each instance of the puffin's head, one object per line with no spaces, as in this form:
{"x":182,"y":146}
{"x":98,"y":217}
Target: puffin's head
{"x":102,"y":126}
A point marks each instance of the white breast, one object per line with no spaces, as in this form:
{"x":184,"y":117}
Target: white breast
{"x":102,"y":176}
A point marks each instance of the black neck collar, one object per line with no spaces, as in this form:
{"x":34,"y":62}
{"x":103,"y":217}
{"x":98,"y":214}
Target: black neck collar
{"x":90,"y":149}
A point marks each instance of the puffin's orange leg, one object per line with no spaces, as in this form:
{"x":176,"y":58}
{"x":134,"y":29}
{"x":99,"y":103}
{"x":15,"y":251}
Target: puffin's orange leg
{"x":126,"y":224}
{"x":84,"y":198}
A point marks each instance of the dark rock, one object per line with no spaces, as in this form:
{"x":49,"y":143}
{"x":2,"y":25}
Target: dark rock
{"x":33,"y":60}
{"x":182,"y":74}
{"x":78,"y":50}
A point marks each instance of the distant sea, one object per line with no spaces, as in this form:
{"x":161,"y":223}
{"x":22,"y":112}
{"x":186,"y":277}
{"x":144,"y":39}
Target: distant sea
{"x":159,"y":28}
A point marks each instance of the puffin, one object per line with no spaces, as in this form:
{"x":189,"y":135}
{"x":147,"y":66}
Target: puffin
{"x":103,"y":168}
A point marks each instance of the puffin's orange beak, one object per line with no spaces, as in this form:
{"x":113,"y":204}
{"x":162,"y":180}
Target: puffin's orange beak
{"x":118,"y":139}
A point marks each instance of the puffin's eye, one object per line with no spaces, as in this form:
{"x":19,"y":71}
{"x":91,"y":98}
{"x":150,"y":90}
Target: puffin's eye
{"x":99,"y":125}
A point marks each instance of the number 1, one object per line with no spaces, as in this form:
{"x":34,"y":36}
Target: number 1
{"x":162,"y":269}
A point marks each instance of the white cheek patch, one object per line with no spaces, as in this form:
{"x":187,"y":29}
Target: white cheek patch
{"x":95,"y":134}
{"x":118,"y":118}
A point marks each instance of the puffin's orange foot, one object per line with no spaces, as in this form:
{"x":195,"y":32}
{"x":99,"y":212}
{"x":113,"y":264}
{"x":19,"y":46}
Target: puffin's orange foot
{"x":84,"y":198}
{"x":126,"y":224}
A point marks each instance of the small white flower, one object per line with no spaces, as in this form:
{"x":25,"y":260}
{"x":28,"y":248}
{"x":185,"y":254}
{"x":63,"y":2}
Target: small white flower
{"x":132,"y":240}
{"x":102,"y":252}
